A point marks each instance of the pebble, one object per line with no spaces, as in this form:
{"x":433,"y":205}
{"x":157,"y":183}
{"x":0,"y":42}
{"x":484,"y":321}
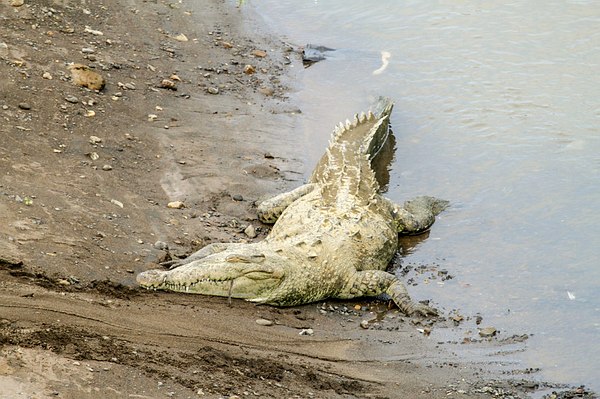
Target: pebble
{"x":181,"y":38}
{"x":168,"y":84}
{"x":237,"y":197}
{"x":95,"y":140}
{"x":250,"y":231}
{"x":364,"y":324}
{"x":47,"y":75}
{"x":487,"y":332}
{"x":176,"y":205}
{"x":264,"y":322}
{"x":163,"y":246}
{"x":249,"y":69}
{"x":213,"y":90}
{"x":107,"y":167}
{"x":83,"y":76}
{"x":25,"y":106}
{"x":307,"y":331}
{"x":93,"y":31}
{"x":71,"y":99}
{"x":259,"y":53}
{"x":267,"y":91}
{"x":17,"y":3}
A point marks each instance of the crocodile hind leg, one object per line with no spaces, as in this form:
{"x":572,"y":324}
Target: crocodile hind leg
{"x":202,"y":253}
{"x":270,"y":210}
{"x":377,"y":282}
{"x":417,"y":215}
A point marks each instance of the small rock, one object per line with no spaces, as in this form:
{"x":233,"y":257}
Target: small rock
{"x":181,"y":38}
{"x":168,"y":84}
{"x":307,"y":331}
{"x":94,"y":156}
{"x":71,"y":99}
{"x":129,"y":86}
{"x":259,"y":53}
{"x":117,"y":203}
{"x":107,"y":167}
{"x":264,"y":322}
{"x":161,"y":245}
{"x":89,"y":113}
{"x":267,"y":91}
{"x":17,"y":3}
{"x":83,"y":76}
{"x":25,"y":106}
{"x":249,"y":69}
{"x":487,"y":332}
{"x":250,"y":231}
{"x":93,"y":31}
{"x":425,"y":331}
{"x":364,"y":324}
{"x":213,"y":90}
{"x":95,"y":140}
{"x":237,"y":197}
{"x":176,"y":205}
{"x":47,"y":75}
{"x":88,"y":50}
{"x":227,"y":44}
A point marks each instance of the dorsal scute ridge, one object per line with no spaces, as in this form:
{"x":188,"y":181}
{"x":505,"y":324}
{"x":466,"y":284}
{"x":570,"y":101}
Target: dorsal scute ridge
{"x":345,"y":171}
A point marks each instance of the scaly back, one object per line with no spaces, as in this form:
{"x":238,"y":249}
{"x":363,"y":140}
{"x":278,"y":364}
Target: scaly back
{"x":344,"y":172}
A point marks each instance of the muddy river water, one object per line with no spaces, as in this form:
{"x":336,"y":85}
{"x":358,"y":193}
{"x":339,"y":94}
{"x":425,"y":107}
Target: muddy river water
{"x":498,"y":111}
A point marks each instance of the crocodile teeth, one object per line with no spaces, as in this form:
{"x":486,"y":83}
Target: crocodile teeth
{"x":348,"y":124}
{"x":362,"y":117}
{"x":342,"y":127}
{"x":355,"y":121}
{"x":370,"y":116}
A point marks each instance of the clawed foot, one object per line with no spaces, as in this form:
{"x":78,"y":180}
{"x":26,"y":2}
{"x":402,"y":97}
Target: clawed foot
{"x":421,"y":310}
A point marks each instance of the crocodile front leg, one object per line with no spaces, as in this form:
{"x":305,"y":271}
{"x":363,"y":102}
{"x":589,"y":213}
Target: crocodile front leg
{"x":377,"y":282}
{"x":417,"y":215}
{"x":270,"y":210}
{"x":208,"y":250}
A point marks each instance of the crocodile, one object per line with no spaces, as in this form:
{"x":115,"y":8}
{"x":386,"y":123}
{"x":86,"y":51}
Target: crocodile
{"x":332,"y":237}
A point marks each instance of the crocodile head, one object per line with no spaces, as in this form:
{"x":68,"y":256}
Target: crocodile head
{"x":254,"y":277}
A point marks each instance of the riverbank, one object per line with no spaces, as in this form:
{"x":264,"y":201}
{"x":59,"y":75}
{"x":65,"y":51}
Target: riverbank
{"x":170,"y":155}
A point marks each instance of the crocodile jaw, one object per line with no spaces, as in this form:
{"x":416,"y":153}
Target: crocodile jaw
{"x":246,"y":281}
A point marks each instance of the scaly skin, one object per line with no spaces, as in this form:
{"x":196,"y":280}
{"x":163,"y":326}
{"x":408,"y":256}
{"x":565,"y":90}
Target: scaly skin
{"x":333,"y":237}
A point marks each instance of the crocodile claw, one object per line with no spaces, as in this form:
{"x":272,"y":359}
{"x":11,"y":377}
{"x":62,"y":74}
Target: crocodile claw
{"x":422,"y":310}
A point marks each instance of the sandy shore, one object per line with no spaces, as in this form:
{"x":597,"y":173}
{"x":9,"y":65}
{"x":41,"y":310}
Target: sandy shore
{"x":193,"y":110}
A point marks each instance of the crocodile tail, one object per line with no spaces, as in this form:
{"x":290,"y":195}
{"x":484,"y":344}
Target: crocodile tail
{"x":345,"y":168}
